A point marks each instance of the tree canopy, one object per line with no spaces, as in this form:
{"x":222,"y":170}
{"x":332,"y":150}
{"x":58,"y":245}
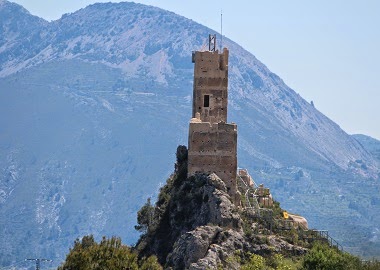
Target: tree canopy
{"x":109,"y":254}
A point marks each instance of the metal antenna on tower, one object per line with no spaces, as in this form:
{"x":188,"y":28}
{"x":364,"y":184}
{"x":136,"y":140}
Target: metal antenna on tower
{"x":38,"y":262}
{"x":221,"y":29}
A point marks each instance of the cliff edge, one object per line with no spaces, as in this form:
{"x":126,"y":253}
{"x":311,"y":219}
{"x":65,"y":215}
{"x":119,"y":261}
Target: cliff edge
{"x":195,"y":225}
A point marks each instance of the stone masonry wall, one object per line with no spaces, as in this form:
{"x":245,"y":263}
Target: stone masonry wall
{"x":210,"y":96}
{"x":212,"y":149}
{"x":212,"y":142}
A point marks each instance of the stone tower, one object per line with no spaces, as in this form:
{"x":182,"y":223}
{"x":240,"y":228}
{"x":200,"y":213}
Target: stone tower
{"x":212,"y":142}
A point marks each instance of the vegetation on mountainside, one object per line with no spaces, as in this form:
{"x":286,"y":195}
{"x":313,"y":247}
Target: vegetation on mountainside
{"x":276,"y":262}
{"x":109,"y":254}
{"x":154,"y":220}
{"x":145,"y":218}
{"x":320,"y":257}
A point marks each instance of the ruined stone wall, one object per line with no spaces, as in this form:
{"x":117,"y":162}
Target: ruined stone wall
{"x":212,"y":142}
{"x":210,"y":96}
{"x":212,"y":149}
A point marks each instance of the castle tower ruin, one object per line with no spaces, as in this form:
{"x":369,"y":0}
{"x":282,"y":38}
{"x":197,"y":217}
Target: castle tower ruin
{"x":212,"y":142}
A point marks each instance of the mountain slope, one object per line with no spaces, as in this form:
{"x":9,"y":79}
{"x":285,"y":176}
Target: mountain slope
{"x":370,"y":144}
{"x":22,"y":36}
{"x":150,"y":42}
{"x":97,"y":104}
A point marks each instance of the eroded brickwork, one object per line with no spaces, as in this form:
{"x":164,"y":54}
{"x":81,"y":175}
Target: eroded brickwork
{"x":212,"y":142}
{"x":210,"y":96}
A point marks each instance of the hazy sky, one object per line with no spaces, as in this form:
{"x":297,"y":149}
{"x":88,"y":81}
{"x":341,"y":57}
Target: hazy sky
{"x":327,"y":51}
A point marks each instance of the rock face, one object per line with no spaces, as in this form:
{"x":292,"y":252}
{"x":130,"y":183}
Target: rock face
{"x":198,"y":227}
{"x":299,"y":220}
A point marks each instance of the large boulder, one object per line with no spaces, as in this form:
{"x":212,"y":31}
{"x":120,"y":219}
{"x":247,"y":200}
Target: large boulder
{"x":299,"y":220}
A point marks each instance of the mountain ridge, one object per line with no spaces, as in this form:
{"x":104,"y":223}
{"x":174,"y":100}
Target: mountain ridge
{"x":369,"y":143}
{"x":284,"y":102}
{"x":293,"y":107}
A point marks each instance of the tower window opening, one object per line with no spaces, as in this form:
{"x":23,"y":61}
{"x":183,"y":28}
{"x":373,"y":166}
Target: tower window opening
{"x":206,"y":101}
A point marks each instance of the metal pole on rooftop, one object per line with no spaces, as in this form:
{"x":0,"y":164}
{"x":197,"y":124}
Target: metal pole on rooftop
{"x":221,"y":30}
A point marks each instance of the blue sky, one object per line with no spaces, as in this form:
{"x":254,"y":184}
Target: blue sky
{"x":327,"y":51}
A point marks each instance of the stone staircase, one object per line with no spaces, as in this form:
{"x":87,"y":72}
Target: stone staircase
{"x":252,"y":210}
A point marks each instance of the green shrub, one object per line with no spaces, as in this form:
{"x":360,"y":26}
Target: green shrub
{"x":145,"y":218}
{"x":371,"y":265}
{"x":109,"y":254}
{"x":323,"y":257}
{"x":256,"y":262}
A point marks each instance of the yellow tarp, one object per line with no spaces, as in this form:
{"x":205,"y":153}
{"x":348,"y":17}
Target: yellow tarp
{"x":286,"y":216}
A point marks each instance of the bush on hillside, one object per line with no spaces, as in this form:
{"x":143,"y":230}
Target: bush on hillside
{"x":109,"y":254}
{"x":323,"y":257}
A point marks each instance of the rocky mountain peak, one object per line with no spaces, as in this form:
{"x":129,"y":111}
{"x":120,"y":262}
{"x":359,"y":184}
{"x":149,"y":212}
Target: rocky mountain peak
{"x":6,"y":5}
{"x":10,"y":9}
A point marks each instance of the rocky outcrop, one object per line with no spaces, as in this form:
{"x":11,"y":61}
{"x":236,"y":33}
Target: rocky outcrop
{"x":206,"y":247}
{"x":301,"y":221}
{"x":198,"y":227}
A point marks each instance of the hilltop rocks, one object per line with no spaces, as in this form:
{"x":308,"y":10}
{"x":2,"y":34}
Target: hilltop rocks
{"x":217,"y":207}
{"x":185,"y":204}
{"x":206,"y":247}
{"x":198,"y":227}
{"x":193,"y":246}
{"x":301,"y":221}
